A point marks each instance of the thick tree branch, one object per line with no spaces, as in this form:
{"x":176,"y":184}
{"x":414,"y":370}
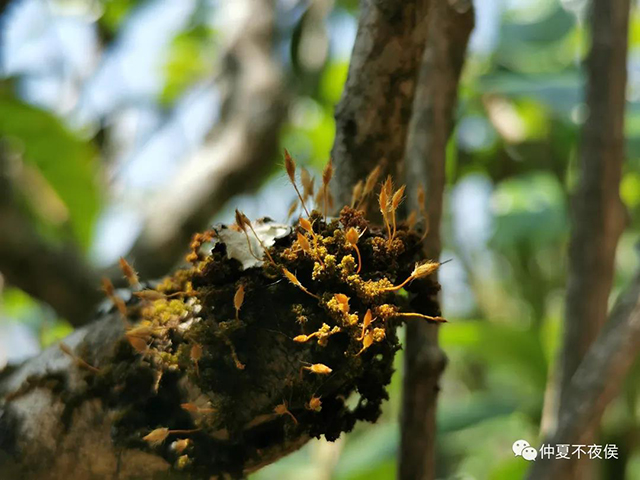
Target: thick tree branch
{"x":596,"y":381}
{"x":429,"y":131}
{"x":237,"y":154}
{"x":373,"y":114}
{"x":597,"y":211}
{"x":224,"y":367}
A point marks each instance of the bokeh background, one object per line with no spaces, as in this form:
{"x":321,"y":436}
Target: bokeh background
{"x":101,"y":102}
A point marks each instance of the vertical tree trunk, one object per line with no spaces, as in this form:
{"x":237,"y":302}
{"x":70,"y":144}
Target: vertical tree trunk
{"x":372,"y":117}
{"x":597,"y":212}
{"x":429,"y":132}
{"x":596,"y":382}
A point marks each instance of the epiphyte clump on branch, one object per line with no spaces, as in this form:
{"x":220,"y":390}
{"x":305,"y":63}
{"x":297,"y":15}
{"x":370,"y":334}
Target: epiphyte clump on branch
{"x":271,"y":328}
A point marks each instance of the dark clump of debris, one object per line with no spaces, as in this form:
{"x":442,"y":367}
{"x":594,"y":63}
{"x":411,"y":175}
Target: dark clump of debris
{"x":256,"y":347}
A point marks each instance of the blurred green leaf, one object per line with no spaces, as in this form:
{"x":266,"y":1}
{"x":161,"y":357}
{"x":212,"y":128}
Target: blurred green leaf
{"x":535,"y":118}
{"x":65,"y":160}
{"x":530,"y":208}
{"x":458,"y":415}
{"x":332,"y":82}
{"x":501,"y":346}
{"x":349,"y":5}
{"x":630,"y":189}
{"x":383,"y":471}
{"x":190,"y":58}
{"x":310,"y":132}
{"x":561,"y":92}
{"x":510,"y":469}
{"x":369,"y":451}
{"x":14,"y":302}
{"x":115,"y":12}
{"x":51,"y":333}
{"x":546,"y":29}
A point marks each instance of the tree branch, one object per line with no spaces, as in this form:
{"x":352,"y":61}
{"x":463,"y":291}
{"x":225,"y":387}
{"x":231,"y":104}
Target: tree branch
{"x":597,"y":211}
{"x":596,"y":381}
{"x":236,"y":358}
{"x":373,"y":114}
{"x":429,"y":131}
{"x":237,"y":154}
{"x":58,"y":276}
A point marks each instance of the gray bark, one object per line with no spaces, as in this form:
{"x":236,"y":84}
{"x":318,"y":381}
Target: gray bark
{"x":372,"y":117}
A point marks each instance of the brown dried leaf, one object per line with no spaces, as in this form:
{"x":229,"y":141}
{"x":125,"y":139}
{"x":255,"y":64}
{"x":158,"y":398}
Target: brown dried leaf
{"x":290,"y":166}
{"x":238,"y":298}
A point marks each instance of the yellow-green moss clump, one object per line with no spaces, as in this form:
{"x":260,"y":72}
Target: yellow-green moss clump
{"x":247,"y":353}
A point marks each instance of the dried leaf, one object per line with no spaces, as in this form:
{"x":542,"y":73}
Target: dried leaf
{"x":290,"y":166}
{"x":292,"y":208}
{"x":307,"y":183}
{"x":304,"y":243}
{"x":352,"y":236}
{"x":180,"y":445}
{"x":412,"y":219}
{"x":319,"y":369}
{"x":397,"y":197}
{"x":196,"y":352}
{"x":314,"y":404}
{"x":138,"y":343}
{"x":190,"y":407}
{"x":238,"y":298}
{"x":424,"y":269}
{"x":292,"y":278}
{"x":327,"y":173}
{"x":306,"y":225}
{"x":356,"y":193}
{"x":241,"y":220}
{"x":150,"y":295}
{"x":129,"y":273}
{"x":157,"y":436}
{"x":107,"y":287}
{"x":383,"y":202}
{"x":372,"y":179}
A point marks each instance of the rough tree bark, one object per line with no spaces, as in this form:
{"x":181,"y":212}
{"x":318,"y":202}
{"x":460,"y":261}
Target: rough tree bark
{"x":598,"y":216}
{"x":225,"y":366}
{"x":431,"y":124}
{"x":372,"y":117}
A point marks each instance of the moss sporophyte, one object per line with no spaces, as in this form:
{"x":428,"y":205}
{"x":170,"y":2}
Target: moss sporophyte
{"x":256,"y":346}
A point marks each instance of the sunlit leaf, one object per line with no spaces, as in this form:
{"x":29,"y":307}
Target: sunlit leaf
{"x":332,"y":82}
{"x":461,"y":414}
{"x":374,"y":447}
{"x":65,"y":160}
{"x":501,"y":347}
{"x":52,"y":333}
{"x":530,"y":208}
{"x":190,"y":58}
{"x":114,"y":12}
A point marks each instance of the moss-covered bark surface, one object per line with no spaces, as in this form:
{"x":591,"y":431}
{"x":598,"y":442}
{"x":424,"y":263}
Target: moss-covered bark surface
{"x":243,"y":356}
